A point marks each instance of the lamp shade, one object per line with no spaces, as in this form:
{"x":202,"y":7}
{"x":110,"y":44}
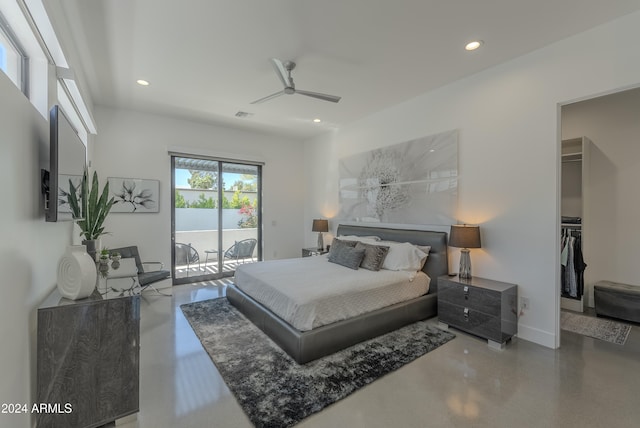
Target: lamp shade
{"x":464,"y":236}
{"x":320,"y":225}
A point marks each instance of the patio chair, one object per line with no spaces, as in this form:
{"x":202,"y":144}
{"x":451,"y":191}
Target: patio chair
{"x":145,"y":278}
{"x":241,"y":250}
{"x":186,"y":255}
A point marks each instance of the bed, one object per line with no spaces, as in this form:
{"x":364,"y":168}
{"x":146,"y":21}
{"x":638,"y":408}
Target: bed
{"x":305,"y":341}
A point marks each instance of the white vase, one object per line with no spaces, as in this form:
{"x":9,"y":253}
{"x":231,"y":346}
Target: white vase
{"x":76,"y":273}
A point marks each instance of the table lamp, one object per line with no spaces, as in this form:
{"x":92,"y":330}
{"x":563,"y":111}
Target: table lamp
{"x":320,"y":226}
{"x":465,"y":237}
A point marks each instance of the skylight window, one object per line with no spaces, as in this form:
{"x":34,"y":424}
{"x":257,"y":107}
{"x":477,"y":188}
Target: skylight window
{"x":12,"y":57}
{"x":3,"y":58}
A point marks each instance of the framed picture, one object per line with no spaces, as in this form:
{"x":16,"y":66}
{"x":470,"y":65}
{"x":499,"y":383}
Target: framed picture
{"x":134,"y":195}
{"x":415,"y":182}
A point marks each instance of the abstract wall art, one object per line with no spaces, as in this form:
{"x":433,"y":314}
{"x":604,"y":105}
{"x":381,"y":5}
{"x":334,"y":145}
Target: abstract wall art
{"x":415,"y":182}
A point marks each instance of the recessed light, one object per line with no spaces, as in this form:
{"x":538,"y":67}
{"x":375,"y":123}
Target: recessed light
{"x":317,"y":120}
{"x":472,"y":46}
{"x":142,"y":82}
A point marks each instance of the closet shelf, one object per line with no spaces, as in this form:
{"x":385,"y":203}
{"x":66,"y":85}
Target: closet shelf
{"x":572,"y":225}
{"x":568,"y":157}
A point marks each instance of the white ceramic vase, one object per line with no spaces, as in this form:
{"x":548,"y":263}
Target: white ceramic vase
{"x":76,"y":273}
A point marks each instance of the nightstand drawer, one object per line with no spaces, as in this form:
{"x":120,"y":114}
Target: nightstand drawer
{"x":471,"y":321}
{"x":480,"y":299}
{"x":479,"y":306}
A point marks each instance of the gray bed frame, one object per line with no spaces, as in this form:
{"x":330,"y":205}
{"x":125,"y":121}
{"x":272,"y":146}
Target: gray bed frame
{"x":305,"y":346}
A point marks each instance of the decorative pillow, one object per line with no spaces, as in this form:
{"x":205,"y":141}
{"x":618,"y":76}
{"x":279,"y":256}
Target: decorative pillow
{"x":374,"y":255}
{"x":403,"y":256}
{"x":336,"y":244}
{"x":347,"y":256}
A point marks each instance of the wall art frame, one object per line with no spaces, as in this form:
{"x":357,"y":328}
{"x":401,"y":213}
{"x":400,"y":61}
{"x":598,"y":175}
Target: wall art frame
{"x":414,"y":182}
{"x":134,"y":195}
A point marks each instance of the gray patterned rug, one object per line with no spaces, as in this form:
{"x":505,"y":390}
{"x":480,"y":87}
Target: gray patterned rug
{"x":598,"y":328}
{"x":275,"y":391}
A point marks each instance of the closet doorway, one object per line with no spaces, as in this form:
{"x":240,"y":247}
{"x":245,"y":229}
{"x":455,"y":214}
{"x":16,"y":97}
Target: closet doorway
{"x":574,"y":193}
{"x":606,"y":201}
{"x":216,"y":217}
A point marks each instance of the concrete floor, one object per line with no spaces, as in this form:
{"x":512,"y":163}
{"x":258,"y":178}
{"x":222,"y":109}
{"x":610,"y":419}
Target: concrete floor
{"x":585,"y":383}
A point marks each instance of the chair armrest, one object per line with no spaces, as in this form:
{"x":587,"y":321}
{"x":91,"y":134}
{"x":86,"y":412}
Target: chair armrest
{"x":154,"y":263}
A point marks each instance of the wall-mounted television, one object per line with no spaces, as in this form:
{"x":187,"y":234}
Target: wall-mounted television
{"x":67,"y":161}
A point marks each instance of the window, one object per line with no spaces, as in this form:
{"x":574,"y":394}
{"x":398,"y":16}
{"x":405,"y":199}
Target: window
{"x":13,"y":61}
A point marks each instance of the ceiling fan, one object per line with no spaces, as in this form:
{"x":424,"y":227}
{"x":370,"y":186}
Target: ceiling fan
{"x":283,"y":70}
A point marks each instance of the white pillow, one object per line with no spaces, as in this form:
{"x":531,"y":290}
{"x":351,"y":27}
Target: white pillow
{"x":403,"y":256}
{"x":425,"y":249}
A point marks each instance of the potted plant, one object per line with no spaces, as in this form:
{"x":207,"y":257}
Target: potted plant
{"x":103,"y":262}
{"x":104,"y":255}
{"x":90,"y":209}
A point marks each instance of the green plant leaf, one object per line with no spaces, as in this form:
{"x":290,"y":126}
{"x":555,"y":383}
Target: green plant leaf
{"x":83,"y":195}
{"x":92,"y":209}
{"x":73,"y":200}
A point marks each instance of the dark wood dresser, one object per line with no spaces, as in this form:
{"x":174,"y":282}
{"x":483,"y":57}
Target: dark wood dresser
{"x":479,"y":306}
{"x":88,"y":359}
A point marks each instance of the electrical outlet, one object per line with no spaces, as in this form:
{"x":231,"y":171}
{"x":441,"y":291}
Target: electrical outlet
{"x":524,"y":303}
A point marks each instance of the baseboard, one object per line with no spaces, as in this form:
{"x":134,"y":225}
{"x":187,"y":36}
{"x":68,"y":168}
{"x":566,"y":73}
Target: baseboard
{"x":538,"y":336}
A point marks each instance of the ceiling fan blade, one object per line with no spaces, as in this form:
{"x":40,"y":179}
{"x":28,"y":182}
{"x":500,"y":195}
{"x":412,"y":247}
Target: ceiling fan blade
{"x":268,"y":97}
{"x":325,"y":97}
{"x":280,"y":71}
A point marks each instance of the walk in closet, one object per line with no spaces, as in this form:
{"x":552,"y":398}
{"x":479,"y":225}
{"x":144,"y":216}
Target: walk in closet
{"x":575,"y":174}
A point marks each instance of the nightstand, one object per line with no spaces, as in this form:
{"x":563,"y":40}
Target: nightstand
{"x":479,"y":306}
{"x":307,"y":252}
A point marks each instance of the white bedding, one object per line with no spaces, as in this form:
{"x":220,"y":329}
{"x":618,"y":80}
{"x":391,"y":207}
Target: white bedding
{"x":310,"y":292}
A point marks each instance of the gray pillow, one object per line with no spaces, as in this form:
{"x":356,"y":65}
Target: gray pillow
{"x":336,"y":244}
{"x":373,"y":255}
{"x":347,"y":256}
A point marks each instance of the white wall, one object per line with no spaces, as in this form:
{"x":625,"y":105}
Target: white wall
{"x":613,"y":210}
{"x":508,"y":155}
{"x":29,"y":249}
{"x":136,"y":145}
{"x":571,"y":189}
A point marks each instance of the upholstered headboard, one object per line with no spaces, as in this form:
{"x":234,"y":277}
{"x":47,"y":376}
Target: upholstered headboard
{"x":438,"y":261}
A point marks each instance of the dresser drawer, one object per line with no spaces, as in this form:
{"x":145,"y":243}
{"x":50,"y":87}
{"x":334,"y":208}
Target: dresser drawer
{"x":476,"y":298}
{"x":471,"y":321}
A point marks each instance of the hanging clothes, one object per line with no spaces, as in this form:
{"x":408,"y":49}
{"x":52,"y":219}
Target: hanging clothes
{"x":579,"y":265}
{"x":573,"y":265}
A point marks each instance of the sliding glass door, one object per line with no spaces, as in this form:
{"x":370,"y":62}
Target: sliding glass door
{"x":216,"y":217}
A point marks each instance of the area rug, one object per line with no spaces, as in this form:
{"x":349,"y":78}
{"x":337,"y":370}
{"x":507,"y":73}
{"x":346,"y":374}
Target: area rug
{"x":274,"y":390}
{"x":598,"y":328}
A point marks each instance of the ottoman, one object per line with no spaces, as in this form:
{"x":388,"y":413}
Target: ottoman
{"x":617,"y":300}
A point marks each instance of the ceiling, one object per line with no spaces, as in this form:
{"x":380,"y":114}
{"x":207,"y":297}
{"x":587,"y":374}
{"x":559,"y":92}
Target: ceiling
{"x":208,"y":59}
